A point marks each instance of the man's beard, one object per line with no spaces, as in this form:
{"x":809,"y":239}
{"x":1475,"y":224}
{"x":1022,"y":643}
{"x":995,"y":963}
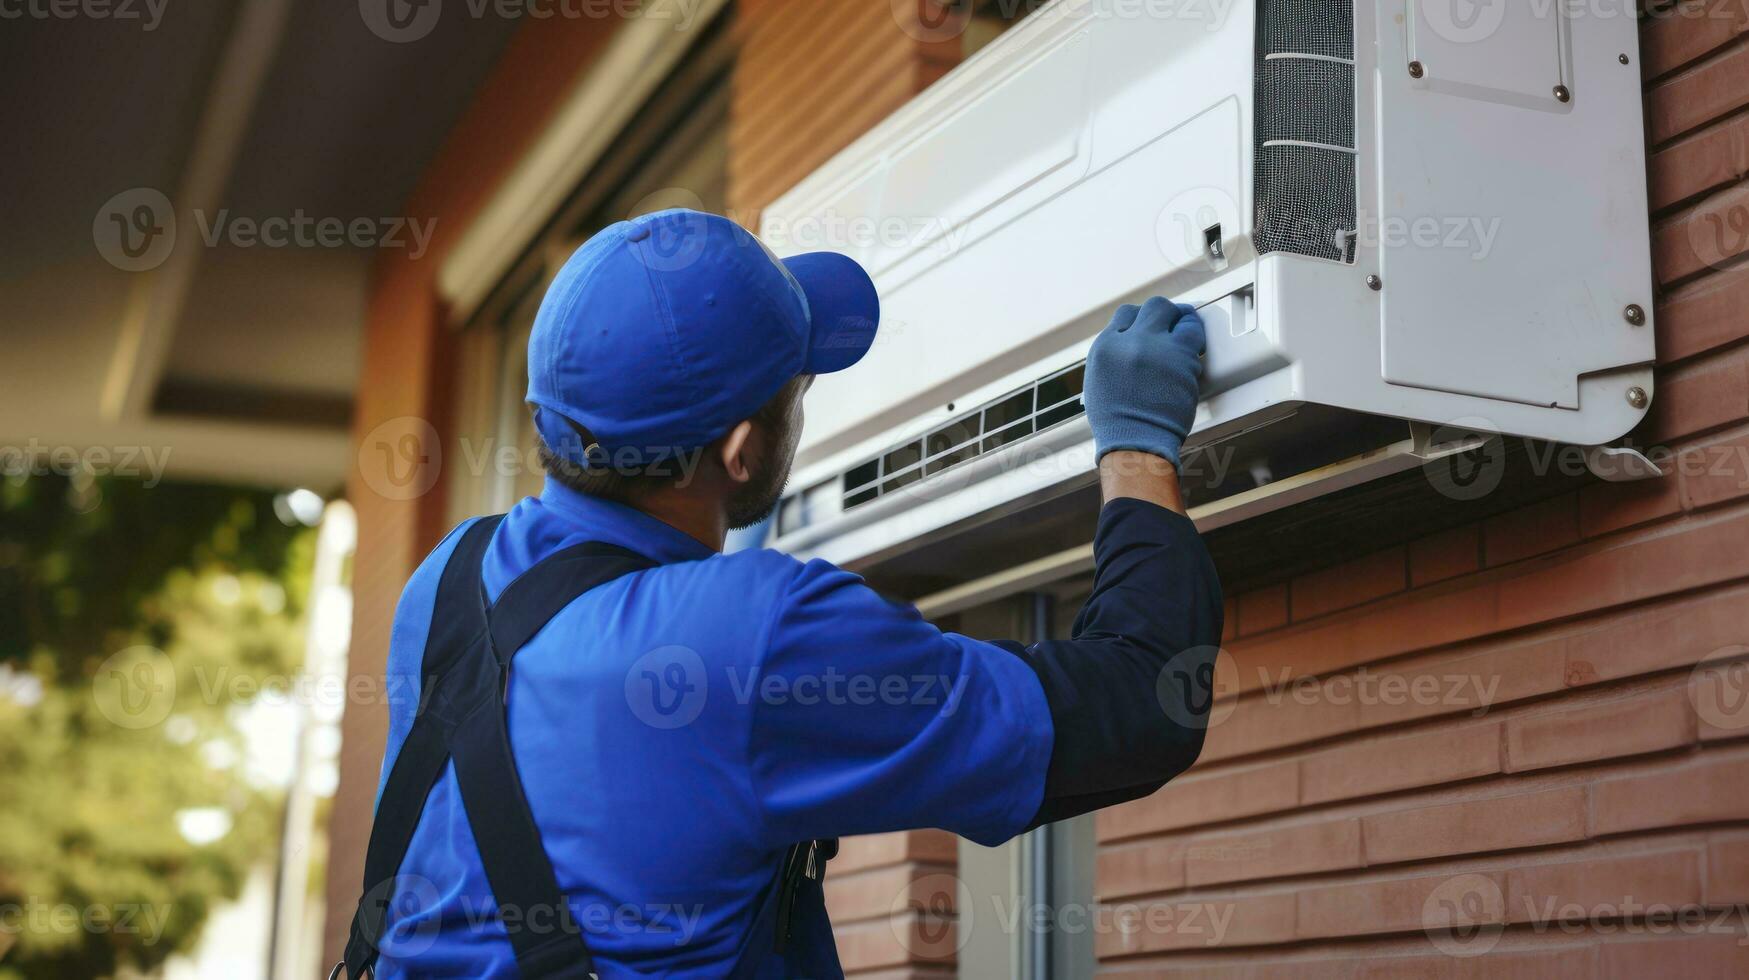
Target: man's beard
{"x":758,"y":497}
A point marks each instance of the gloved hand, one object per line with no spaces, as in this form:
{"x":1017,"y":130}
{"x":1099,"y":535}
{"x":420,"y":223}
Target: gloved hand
{"x":1142,"y":379}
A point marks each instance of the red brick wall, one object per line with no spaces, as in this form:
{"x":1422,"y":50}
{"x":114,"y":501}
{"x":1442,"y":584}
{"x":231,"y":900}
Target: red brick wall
{"x":812,"y":76}
{"x":1325,"y":828}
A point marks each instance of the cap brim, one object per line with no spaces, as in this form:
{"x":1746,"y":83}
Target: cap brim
{"x":844,"y":309}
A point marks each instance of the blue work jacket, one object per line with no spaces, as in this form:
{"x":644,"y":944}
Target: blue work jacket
{"x":677,"y":729}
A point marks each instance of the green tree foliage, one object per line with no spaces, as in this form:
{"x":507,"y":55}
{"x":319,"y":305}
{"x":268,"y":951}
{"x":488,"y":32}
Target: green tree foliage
{"x":135,"y":625}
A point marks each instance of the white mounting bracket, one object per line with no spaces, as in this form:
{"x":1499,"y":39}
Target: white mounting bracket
{"x":1620,"y":464}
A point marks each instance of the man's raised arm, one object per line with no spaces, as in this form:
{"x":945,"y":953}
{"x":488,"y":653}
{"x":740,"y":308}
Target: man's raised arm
{"x":1129,"y":691}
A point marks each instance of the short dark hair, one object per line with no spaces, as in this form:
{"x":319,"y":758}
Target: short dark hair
{"x":629,"y":485}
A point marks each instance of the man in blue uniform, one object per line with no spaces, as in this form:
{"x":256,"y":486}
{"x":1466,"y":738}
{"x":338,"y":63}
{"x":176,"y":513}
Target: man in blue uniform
{"x":655,"y":788}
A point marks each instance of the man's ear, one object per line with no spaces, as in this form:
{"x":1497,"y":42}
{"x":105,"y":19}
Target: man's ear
{"x":737,"y":452}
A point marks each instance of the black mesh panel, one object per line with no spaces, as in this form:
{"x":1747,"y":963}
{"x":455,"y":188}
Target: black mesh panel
{"x":1305,"y":194}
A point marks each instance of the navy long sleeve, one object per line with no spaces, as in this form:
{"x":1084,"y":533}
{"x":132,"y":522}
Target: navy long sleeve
{"x":1129,"y":692}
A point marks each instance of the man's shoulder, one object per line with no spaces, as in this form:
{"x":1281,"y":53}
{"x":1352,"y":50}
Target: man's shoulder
{"x":758,"y":588}
{"x":751,"y":573}
{"x":430,"y":569}
{"x":785,"y":573}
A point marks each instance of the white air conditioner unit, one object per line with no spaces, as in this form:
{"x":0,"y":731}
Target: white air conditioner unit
{"x":1397,"y":216}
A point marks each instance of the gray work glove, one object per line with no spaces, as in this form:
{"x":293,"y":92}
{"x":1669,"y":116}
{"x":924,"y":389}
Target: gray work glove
{"x":1142,"y":379}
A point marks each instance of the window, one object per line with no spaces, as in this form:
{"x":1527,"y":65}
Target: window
{"x":1045,"y":876}
{"x":674,"y":155}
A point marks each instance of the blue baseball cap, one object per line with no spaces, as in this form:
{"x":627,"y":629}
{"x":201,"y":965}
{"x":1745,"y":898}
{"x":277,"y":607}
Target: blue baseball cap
{"x":662,"y":333}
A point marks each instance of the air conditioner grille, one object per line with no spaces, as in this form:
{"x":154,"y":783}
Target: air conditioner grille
{"x":1047,"y":402}
{"x":1301,"y":97}
{"x":1305,"y":140}
{"x":1316,"y":27}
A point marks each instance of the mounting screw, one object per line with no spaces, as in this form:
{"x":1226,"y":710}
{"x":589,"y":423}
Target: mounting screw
{"x":1416,"y":70}
{"x":1623,"y":58}
{"x":1562,"y":94}
{"x":1637,"y":397}
{"x":1635,"y":315}
{"x":1374,"y":283}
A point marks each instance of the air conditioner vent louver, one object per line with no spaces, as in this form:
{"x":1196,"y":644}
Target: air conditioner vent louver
{"x":1305,"y":146}
{"x":1047,"y":402}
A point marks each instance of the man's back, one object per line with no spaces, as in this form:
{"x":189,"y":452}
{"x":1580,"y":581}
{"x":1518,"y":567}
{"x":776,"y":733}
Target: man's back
{"x":671,"y":730}
{"x":679,"y":731}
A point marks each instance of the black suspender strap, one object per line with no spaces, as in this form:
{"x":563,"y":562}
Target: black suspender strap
{"x":534,"y":911}
{"x":536,"y":596}
{"x":461,"y":717}
{"x":423,"y":755}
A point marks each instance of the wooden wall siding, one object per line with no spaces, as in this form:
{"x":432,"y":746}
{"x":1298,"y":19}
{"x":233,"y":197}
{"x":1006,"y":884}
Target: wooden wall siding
{"x":1534,"y":715}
